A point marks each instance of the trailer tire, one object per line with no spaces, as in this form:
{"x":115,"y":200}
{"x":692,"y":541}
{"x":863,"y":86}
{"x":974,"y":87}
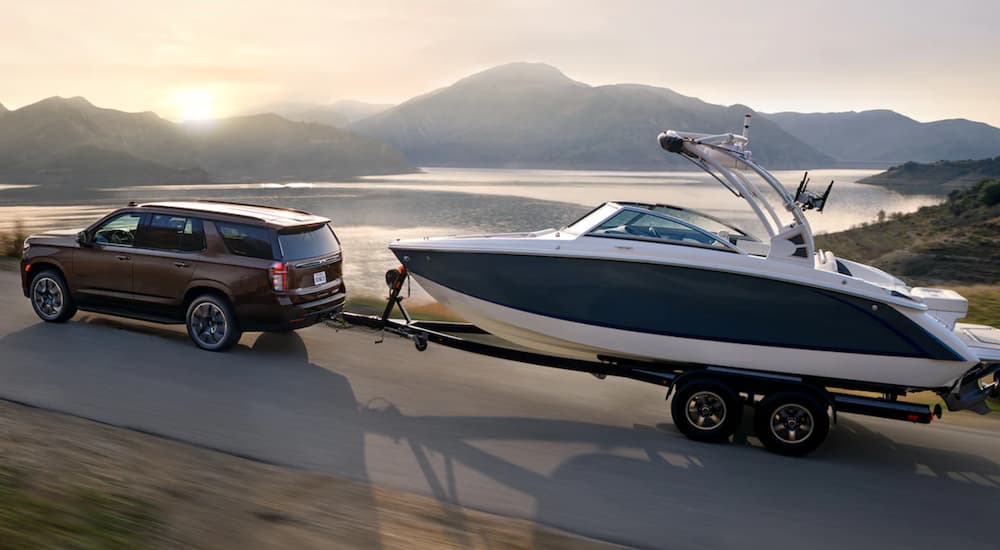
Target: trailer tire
{"x":706,"y":410}
{"x":791,"y":423}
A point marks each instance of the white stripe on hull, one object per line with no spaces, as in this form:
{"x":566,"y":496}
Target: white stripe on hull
{"x":582,"y":341}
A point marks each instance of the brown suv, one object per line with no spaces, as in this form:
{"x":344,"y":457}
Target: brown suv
{"x":221,"y":268}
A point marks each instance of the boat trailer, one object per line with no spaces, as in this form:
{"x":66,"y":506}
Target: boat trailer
{"x":752,"y":386}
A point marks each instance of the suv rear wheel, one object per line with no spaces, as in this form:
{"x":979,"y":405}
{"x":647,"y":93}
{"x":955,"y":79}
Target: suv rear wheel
{"x":50,"y":297}
{"x":211,"y":323}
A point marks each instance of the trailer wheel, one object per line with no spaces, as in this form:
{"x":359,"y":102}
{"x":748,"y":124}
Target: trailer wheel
{"x":706,"y":410}
{"x":791,"y":423}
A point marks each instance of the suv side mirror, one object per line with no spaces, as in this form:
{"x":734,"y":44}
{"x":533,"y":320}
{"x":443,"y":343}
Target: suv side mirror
{"x":81,"y":238}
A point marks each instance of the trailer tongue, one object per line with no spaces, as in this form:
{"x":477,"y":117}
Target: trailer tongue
{"x":793,"y":413}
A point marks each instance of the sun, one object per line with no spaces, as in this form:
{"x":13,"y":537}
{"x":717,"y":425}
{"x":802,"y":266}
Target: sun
{"x":193,"y":105}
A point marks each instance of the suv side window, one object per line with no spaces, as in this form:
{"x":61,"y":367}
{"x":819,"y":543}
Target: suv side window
{"x":119,"y":230}
{"x":167,"y":232}
{"x":246,"y":240}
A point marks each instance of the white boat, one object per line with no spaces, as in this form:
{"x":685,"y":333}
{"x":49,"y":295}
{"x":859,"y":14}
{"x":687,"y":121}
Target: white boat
{"x":669,"y":285}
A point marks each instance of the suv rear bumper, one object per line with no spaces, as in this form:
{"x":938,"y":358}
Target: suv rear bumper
{"x":294,"y":316}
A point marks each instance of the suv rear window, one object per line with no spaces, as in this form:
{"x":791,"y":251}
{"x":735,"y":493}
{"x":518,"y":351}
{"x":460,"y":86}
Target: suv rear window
{"x":246,"y":240}
{"x":308,"y":242}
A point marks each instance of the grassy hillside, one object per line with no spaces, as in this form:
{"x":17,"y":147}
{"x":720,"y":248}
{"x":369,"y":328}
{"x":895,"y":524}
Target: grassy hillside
{"x":954,"y":244}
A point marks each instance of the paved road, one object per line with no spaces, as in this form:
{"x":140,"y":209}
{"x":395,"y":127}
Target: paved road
{"x":599,"y":458}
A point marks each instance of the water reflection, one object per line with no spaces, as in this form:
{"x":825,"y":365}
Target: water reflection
{"x":371,"y":212}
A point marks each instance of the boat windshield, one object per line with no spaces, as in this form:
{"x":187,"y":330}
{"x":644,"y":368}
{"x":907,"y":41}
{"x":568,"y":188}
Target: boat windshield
{"x":703,"y":221}
{"x":706,"y":223}
{"x":591,"y":219}
{"x":637,"y":224}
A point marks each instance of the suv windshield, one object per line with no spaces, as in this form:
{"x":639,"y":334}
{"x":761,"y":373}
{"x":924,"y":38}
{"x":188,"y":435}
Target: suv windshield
{"x":308,"y":242}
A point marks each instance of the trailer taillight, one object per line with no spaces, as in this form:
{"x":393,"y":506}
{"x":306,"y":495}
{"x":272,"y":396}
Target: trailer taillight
{"x":279,"y":276}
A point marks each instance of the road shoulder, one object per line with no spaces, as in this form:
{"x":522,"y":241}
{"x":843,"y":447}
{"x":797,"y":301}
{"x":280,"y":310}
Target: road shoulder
{"x":209,"y":499}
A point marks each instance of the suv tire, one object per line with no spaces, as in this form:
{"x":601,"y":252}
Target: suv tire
{"x":50,"y":297}
{"x":211,"y":323}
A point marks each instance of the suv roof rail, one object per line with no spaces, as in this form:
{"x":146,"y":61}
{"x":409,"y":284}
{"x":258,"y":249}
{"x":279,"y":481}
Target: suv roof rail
{"x":182,"y":208}
{"x":254,"y":205}
{"x":282,"y":217}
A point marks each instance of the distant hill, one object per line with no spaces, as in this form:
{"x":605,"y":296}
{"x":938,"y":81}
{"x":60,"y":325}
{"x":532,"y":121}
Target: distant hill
{"x":887,"y":137}
{"x":954,"y":242}
{"x":55,"y":125}
{"x":91,"y":166}
{"x":532,"y":115}
{"x":936,"y":177}
{"x":340,"y":113}
{"x":71,"y":140}
{"x":354,"y":111}
{"x":270,"y":147}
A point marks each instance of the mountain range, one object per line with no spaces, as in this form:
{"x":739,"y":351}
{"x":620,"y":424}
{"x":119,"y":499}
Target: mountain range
{"x":339,"y":113}
{"x":532,"y":115}
{"x":882,"y":136}
{"x":70,"y":141}
{"x":514,"y":115}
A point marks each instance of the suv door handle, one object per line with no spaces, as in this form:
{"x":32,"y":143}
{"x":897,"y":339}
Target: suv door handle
{"x":180,"y":264}
{"x":124,"y":258}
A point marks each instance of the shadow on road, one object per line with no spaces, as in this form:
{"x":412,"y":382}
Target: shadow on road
{"x":249,"y":402}
{"x":628,"y":484}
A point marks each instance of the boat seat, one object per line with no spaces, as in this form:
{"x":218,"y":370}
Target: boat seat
{"x":680,"y":235}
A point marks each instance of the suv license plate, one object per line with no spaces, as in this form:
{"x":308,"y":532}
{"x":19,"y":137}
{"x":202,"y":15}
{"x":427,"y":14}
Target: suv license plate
{"x":319,"y":278}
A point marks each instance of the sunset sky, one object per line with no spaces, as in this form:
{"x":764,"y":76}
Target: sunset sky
{"x":192,"y":59}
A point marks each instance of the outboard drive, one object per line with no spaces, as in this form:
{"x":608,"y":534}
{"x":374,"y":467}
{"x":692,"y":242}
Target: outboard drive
{"x":972,"y":394}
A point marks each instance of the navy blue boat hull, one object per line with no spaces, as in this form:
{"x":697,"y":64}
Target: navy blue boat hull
{"x":679,"y":301}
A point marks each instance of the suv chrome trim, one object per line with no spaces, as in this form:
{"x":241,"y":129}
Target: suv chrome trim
{"x":318,"y":288}
{"x":317,"y":263}
{"x":338,"y":297}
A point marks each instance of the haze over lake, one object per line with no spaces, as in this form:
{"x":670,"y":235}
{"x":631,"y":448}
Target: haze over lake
{"x":371,"y":212}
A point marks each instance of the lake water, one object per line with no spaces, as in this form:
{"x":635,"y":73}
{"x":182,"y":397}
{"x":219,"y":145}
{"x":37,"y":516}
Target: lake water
{"x":371,"y":212}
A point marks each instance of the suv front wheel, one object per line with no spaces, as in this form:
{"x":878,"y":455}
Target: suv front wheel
{"x":211,"y":323}
{"x":50,"y":297}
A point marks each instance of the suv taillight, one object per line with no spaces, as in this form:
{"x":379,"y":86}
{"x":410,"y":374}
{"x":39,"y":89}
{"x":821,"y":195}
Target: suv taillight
{"x":279,"y":276}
